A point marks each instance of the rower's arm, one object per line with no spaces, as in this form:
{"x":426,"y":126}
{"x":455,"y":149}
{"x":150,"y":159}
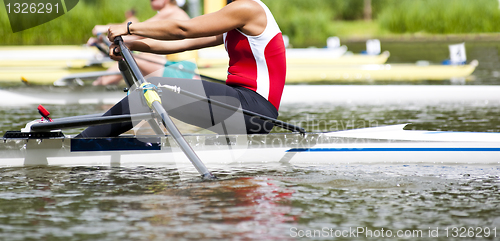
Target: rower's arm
{"x":170,"y":47}
{"x":244,"y":15}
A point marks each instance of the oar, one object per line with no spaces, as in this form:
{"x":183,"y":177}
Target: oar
{"x":154,"y":102}
{"x":276,"y":122}
{"x":84,"y":121}
{"x":205,"y":77}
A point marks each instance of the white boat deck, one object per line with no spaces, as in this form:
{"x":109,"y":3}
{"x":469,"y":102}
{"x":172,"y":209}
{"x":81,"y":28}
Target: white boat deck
{"x":369,"y":145}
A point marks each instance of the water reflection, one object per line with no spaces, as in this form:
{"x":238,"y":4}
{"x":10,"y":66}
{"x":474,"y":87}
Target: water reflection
{"x":247,"y":207}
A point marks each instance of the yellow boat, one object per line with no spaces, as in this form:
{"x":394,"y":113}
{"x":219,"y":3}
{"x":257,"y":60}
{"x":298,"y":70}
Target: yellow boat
{"x":216,"y":57}
{"x":295,"y":73}
{"x":51,"y":56}
{"x":41,"y":75}
{"x":394,"y":72}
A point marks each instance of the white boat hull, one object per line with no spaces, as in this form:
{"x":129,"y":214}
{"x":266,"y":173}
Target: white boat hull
{"x":312,"y":149}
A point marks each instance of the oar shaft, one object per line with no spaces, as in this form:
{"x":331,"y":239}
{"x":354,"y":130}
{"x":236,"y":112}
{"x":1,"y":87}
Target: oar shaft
{"x":205,"y":77}
{"x":185,"y":147}
{"x":130,"y":62}
{"x":183,"y":70}
{"x":84,"y":121}
{"x":127,"y":76}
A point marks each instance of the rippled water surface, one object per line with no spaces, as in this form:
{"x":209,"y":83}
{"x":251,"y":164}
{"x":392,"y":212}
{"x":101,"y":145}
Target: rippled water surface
{"x":269,"y":202}
{"x":252,"y":202}
{"x":272,"y":201}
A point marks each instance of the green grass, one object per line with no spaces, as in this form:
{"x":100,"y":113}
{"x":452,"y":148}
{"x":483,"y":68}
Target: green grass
{"x":358,"y":29}
{"x":441,"y":16}
{"x":76,"y":25}
{"x":306,"y":22}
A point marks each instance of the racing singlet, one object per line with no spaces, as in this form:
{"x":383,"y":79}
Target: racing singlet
{"x":258,"y":62}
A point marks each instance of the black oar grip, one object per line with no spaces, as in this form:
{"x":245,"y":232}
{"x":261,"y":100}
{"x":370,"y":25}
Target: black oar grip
{"x":118,"y":39}
{"x":115,"y":52}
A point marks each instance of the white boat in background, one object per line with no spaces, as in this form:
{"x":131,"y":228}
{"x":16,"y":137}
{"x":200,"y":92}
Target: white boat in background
{"x":292,"y":94}
{"x":389,"y":144}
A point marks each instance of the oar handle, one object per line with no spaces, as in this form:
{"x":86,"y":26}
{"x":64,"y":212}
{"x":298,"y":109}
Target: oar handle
{"x":129,"y":60}
{"x":205,"y":77}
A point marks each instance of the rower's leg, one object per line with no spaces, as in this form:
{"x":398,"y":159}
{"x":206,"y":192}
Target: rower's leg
{"x":209,"y":116}
{"x":199,"y":113}
{"x":111,"y":130}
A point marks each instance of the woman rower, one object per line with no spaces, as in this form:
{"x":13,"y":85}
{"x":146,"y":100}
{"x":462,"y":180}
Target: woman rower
{"x":256,"y":73}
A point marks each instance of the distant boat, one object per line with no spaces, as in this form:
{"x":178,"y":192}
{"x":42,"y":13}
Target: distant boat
{"x":217,"y":57}
{"x":393,"y":72}
{"x":42,"y":75}
{"x":73,"y":56}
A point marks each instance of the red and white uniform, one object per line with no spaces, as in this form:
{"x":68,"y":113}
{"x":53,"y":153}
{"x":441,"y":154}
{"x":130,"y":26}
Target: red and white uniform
{"x":258,"y":62}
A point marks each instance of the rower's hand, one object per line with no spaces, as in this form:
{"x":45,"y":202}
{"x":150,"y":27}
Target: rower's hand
{"x":116,"y":30}
{"x":92,"y":41}
{"x":115,"y":52}
{"x":100,"y":29}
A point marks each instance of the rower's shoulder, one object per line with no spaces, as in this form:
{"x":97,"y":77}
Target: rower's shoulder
{"x":246,"y":6}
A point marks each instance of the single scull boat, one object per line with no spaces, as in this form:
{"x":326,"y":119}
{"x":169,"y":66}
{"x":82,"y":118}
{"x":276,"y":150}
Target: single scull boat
{"x":44,"y":144}
{"x":389,"y":144}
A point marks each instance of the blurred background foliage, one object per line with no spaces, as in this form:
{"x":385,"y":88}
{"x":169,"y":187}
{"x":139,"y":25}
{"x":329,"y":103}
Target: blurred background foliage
{"x":74,"y":27}
{"x":306,"y":22}
{"x":441,"y":16}
{"x":309,"y":23}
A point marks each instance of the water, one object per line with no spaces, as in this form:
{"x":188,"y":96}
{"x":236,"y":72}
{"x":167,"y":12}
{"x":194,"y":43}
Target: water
{"x":252,"y":202}
{"x":272,"y":201}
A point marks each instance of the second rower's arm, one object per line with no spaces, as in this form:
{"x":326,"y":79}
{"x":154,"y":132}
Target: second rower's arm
{"x":244,"y":15}
{"x":167,"y":47}
{"x":199,"y":32}
{"x":170,"y":47}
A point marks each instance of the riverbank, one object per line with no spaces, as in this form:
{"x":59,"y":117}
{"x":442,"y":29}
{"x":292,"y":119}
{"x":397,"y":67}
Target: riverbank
{"x":360,"y":31}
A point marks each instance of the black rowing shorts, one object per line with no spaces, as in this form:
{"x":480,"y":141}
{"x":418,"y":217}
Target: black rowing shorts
{"x":195,"y":112}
